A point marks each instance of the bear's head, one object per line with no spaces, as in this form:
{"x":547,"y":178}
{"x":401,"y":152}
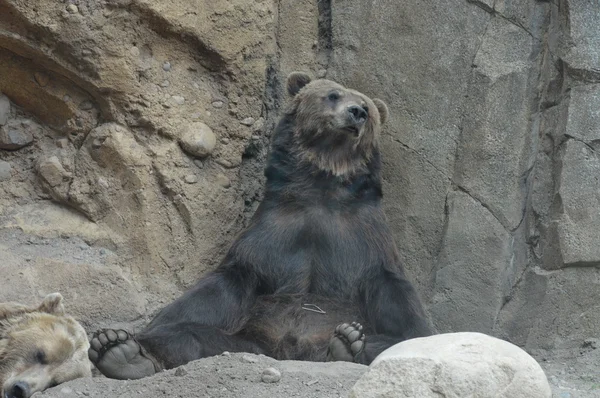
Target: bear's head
{"x":40,"y":347}
{"x":335,"y":128}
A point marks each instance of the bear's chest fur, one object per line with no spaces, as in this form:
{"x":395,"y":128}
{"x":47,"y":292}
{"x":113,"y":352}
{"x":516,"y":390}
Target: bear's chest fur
{"x":316,"y":248}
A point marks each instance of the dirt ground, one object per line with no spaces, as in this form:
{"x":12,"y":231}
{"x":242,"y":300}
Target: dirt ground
{"x":228,"y":375}
{"x":574,"y":377}
{"x":241,"y":375}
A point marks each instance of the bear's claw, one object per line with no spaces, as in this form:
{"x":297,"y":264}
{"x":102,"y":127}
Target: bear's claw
{"x":347,"y":344}
{"x":117,"y":355}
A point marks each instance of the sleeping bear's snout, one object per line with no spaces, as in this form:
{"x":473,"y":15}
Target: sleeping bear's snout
{"x":18,"y":390}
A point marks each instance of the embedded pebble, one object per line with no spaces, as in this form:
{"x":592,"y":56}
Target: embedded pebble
{"x":225,"y":140}
{"x":180,"y":372}
{"x":165,"y":84}
{"x":41,"y":78}
{"x":271,"y":375}
{"x":321,"y":73}
{"x":18,"y":133}
{"x":249,"y":121}
{"x":178,"y":99}
{"x":86,"y":105}
{"x":223,"y":180}
{"x":62,"y":143}
{"x":166,"y":66}
{"x":135,"y":51}
{"x":217,"y":104}
{"x":226,"y":354}
{"x":249,"y":359}
{"x":52,"y":171}
{"x":259,"y":125}
{"x":66,"y":390}
{"x":5,"y":171}
{"x":199,"y":163}
{"x":4,"y":109}
{"x":198,"y":140}
{"x":190,"y":179}
{"x":102,"y":182}
{"x":72,"y":8}
{"x":225,"y":163}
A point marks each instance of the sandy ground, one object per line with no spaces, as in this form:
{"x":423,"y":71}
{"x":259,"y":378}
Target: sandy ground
{"x":575,"y":377}
{"x":234,"y":375}
{"x":241,"y":375}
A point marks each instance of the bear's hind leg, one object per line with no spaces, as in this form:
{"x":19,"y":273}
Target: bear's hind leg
{"x":179,"y":343}
{"x":118,"y":355}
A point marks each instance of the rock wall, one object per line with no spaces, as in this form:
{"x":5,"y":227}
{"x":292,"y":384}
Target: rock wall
{"x":134,"y":132}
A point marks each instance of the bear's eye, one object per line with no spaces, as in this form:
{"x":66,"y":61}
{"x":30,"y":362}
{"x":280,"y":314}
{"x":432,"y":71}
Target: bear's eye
{"x":40,"y":357}
{"x":333,"y":96}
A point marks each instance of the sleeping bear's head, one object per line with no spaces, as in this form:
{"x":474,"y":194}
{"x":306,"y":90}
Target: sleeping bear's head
{"x":335,"y":128}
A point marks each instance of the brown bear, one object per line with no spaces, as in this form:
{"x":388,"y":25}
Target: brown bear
{"x":316,"y":271}
{"x":40,"y":347}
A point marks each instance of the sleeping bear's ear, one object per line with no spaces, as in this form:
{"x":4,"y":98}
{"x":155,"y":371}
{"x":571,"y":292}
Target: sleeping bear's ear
{"x":52,"y":304}
{"x":295,"y":81}
{"x":383,"y":110}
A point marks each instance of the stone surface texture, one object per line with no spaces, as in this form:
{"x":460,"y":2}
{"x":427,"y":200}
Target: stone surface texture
{"x":140,"y":130}
{"x":453,"y":365}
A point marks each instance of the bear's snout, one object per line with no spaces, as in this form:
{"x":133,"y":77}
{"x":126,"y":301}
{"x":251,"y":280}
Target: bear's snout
{"x":357,"y":114}
{"x":18,"y":390}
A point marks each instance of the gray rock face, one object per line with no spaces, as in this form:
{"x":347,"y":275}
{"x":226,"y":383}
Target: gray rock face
{"x":578,"y":229}
{"x":18,"y":133}
{"x":453,"y":365}
{"x":5,"y":171}
{"x":4,"y":109}
{"x":469,"y":285}
{"x":583,"y":56}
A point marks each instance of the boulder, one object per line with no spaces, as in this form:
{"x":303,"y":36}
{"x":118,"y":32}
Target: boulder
{"x":454,"y":365}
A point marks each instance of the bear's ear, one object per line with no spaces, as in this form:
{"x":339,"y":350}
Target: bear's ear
{"x":52,"y":304}
{"x":295,"y":82}
{"x":383,"y":110}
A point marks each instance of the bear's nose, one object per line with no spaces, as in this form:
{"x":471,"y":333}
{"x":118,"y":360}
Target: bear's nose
{"x":18,"y":390}
{"x":357,"y":113}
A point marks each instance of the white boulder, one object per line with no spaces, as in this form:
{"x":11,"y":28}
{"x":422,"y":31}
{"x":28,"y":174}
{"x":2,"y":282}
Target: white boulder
{"x":453,"y":365}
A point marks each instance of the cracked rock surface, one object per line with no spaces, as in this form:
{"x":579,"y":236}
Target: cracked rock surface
{"x":133,"y":137}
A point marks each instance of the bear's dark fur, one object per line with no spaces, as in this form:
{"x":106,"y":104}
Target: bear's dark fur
{"x":318,"y":251}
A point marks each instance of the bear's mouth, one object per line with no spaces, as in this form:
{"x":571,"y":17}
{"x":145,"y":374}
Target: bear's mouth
{"x":353,"y":129}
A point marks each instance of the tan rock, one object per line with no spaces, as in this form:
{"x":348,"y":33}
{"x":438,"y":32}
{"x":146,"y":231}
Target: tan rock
{"x":198,"y":140}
